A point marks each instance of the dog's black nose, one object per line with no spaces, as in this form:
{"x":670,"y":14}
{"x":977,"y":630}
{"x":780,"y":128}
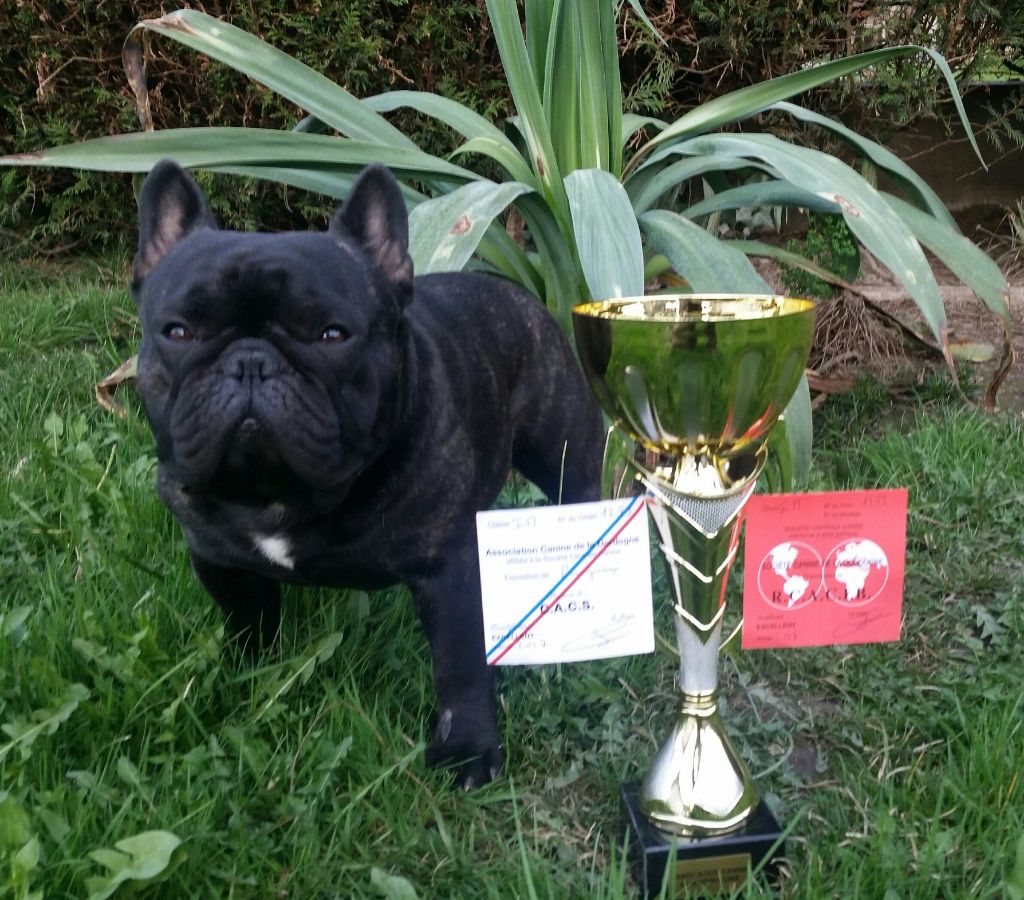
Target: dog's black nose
{"x":252,"y":363}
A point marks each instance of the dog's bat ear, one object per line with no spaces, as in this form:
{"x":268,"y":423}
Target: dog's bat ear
{"x":171,"y":205}
{"x":375,"y":216}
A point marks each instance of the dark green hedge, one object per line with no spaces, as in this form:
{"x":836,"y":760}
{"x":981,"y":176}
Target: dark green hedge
{"x":715,"y":46}
{"x":61,"y":80}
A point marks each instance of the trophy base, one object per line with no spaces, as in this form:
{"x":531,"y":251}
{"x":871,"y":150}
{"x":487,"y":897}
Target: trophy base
{"x":700,"y":864}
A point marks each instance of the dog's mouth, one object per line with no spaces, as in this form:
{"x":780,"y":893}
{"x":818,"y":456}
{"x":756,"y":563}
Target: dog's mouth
{"x":252,"y":469}
{"x":250,"y":440}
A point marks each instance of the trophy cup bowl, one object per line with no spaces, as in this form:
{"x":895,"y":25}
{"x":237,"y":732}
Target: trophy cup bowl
{"x":694,"y":385}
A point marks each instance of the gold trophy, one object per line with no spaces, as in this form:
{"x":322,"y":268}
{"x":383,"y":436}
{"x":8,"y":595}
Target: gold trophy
{"x":694,"y":385}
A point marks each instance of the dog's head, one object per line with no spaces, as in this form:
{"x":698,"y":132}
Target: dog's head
{"x":270,"y":363}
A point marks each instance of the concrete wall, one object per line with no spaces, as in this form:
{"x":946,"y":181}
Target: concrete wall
{"x":948,"y":163}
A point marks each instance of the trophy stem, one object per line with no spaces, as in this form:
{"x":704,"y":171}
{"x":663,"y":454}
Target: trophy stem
{"x":697,"y":784}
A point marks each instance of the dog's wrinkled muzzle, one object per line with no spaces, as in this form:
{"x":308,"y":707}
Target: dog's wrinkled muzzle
{"x":250,"y":424}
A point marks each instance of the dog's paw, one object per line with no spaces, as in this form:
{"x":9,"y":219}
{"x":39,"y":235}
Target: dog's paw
{"x":471,"y":751}
{"x":476,"y":771}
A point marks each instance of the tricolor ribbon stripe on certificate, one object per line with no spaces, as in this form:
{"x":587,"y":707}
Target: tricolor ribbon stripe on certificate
{"x":575,"y":572}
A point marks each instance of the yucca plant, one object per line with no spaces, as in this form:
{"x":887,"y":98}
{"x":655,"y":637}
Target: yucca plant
{"x":597,"y":188}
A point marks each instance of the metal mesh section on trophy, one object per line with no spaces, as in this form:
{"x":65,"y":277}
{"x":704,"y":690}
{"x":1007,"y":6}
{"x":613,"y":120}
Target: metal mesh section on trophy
{"x":698,"y":558}
{"x":709,"y":515}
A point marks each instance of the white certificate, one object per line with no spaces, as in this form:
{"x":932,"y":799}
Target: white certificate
{"x":566,"y":583}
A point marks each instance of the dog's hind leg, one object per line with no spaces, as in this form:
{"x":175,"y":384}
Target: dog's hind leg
{"x":559,"y":441}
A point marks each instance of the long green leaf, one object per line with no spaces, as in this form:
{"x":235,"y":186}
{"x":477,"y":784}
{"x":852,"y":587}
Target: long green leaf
{"x":642,"y":15}
{"x":502,"y":253}
{"x":562,"y":87}
{"x":312,"y":125}
{"x":512,"y":163}
{"x":464,"y":120}
{"x":445,"y":231}
{"x":782,"y":255}
{"x":958,"y":102}
{"x":199,"y":147}
{"x":563,"y":280}
{"x":504,"y":18}
{"x":607,"y":236}
{"x":481,"y":135}
{"x":791,"y":441}
{"x":647,"y":185}
{"x":966,"y":260}
{"x":632,"y":123}
{"x":496,"y":247}
{"x":747,"y":101}
{"x":866,"y":213}
{"x":761,"y":193}
{"x":707,"y":264}
{"x":322,"y":181}
{"x":612,"y":85}
{"x":280,"y":72}
{"x":539,"y":15}
{"x":600,"y":96}
{"x":885,"y":159}
{"x":328,"y":182}
{"x":582,"y":93}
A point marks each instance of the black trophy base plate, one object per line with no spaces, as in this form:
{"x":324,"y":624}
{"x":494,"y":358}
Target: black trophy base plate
{"x":704,"y":864}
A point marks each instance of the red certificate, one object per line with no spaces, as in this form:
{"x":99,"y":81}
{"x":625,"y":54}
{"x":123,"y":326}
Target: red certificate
{"x":824,"y":569}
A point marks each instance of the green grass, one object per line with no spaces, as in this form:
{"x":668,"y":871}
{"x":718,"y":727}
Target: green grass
{"x":897,"y":765}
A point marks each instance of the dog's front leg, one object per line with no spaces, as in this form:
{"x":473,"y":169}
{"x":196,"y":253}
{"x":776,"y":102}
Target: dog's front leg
{"x":466,"y":734}
{"x":251,"y":603}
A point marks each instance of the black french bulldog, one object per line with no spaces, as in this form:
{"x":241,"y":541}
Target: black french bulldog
{"x":323,"y":417}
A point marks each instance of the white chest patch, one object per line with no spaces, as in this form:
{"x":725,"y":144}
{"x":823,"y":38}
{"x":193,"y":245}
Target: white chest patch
{"x":276,"y":549}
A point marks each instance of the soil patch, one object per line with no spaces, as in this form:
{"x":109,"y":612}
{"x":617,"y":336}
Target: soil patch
{"x":969,"y":321}
{"x":850,"y":343}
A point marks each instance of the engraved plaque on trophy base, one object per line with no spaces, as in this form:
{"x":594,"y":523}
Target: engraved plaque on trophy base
{"x":712,"y":864}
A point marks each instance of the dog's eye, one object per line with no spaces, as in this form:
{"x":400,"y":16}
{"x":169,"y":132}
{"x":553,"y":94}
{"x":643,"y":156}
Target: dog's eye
{"x":334,"y":334}
{"x":178,"y":332}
